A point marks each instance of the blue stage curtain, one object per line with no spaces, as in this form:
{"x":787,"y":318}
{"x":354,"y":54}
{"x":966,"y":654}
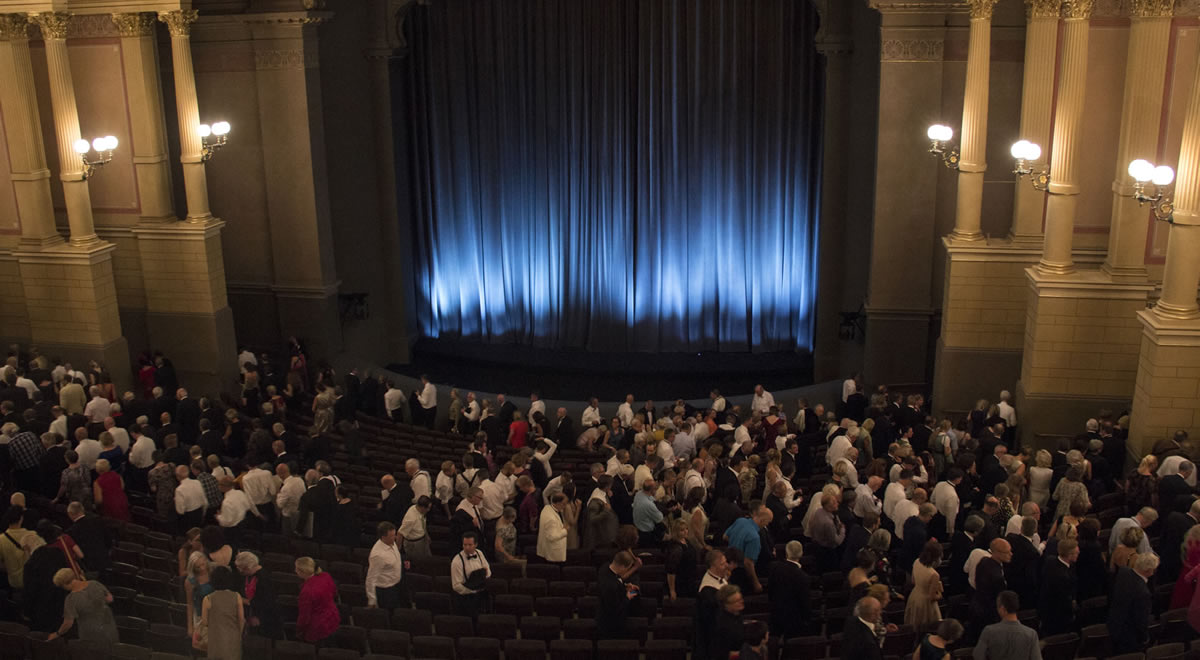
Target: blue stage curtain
{"x":617,"y":175}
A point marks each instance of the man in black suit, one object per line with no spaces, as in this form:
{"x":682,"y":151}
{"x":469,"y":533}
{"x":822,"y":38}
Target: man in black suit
{"x":52,"y":463}
{"x":398,"y":498}
{"x":1174,"y":487}
{"x":505,"y":411}
{"x":1025,"y":567}
{"x":319,"y":502}
{"x":616,"y":596}
{"x":726,"y":481}
{"x":1056,"y":604}
{"x":210,"y":441}
{"x":15,"y":393}
{"x":859,"y":640}
{"x":564,"y":429}
{"x":962,"y":543}
{"x":856,"y":539}
{"x":1129,"y":606}
{"x":788,"y":592}
{"x":1174,"y":530}
{"x":989,"y":582}
{"x":916,"y":533}
{"x":774,"y":502}
{"x":90,"y":534}
{"x":187,"y":415}
{"x":921,"y":434}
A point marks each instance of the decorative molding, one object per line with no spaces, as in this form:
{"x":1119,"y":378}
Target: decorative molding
{"x":918,"y":6}
{"x":288,"y":18}
{"x":1078,"y":9}
{"x":13,"y":27}
{"x":1152,"y":8}
{"x":54,"y":24}
{"x":277,"y":60}
{"x":139,"y":24}
{"x":981,"y":8}
{"x":179,"y":22}
{"x":912,"y":50}
{"x":1042,"y":8}
{"x":91,"y":26}
{"x":1187,"y":7}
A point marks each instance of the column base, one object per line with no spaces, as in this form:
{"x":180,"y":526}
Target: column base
{"x":1032,"y":241}
{"x":1044,"y":417}
{"x":1125,"y":273}
{"x":1166,"y":397}
{"x":965,"y":237}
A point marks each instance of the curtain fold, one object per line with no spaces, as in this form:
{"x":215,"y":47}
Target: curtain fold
{"x":615,"y":175}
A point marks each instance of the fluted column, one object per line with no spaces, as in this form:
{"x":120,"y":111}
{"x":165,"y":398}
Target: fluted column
{"x":191,"y":152}
{"x":139,"y":59}
{"x":1037,"y":99}
{"x":1064,"y":155}
{"x":973,"y":140}
{"x":76,"y":194}
{"x":23,"y":133}
{"x":1182,"y":274}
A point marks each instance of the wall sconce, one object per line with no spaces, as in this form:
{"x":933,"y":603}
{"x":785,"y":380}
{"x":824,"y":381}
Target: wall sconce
{"x":212,"y":138}
{"x":103,"y":146}
{"x":1026,"y":154}
{"x":1143,"y":172}
{"x":939,"y":145}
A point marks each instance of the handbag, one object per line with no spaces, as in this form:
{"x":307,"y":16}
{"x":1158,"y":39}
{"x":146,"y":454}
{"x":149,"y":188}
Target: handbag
{"x":200,"y":636}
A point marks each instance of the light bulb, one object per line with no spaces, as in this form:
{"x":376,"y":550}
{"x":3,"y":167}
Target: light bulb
{"x":1033,"y":152}
{"x":937,"y":132}
{"x":1020,"y":149}
{"x":110,"y":142}
{"x":1163,"y":175}
{"x":220,"y":128}
{"x":1141,"y":170}
{"x":82,"y":146}
{"x":100,"y":144}
{"x":204,"y":130}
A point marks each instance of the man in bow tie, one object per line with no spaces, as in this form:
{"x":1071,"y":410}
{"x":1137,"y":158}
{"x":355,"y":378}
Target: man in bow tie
{"x":469,"y":570}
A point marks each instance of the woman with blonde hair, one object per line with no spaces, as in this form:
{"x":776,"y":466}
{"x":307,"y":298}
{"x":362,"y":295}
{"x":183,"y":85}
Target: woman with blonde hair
{"x":191,"y":546}
{"x":1141,"y":488}
{"x":108,"y":492}
{"x":1071,"y":490}
{"x":318,"y":615}
{"x":1126,"y":551}
{"x":1039,"y":478}
{"x":196,"y":587}
{"x":87,"y":604}
{"x":1185,"y":586}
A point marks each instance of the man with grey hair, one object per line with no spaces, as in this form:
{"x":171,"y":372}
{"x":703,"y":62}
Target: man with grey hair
{"x":419,"y":481}
{"x":1129,"y":606}
{"x":859,"y":640}
{"x":1174,"y":493}
{"x":1144,"y":519}
{"x":90,"y":534}
{"x":1008,"y":639}
{"x":788,"y":589}
{"x":1028,"y":510}
{"x":1176,"y":527}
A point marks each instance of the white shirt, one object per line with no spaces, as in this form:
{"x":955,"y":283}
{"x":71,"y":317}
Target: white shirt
{"x":945,"y":498}
{"x":428,"y":396}
{"x":221,"y":471}
{"x":29,"y":385}
{"x":462,"y":565}
{"x":260,"y":486}
{"x":741,"y":436}
{"x":893,"y":495}
{"x":142,"y":454}
{"x":385,"y":568}
{"x":552,"y":535}
{"x":613,"y":466}
{"x":711,"y":580}
{"x":494,"y":497}
{"x":973,"y":562}
{"x":684,"y":446}
{"x":625,"y":414}
{"x":762,"y":402}
{"x":553,"y":486}
{"x":189,"y":496}
{"x":837,"y":449}
{"x":288,"y":498}
{"x":866,"y":501}
{"x":234,"y":508}
{"x":507,"y":484}
{"x":89,"y":450}
{"x":544,"y":458}
{"x":97,"y":409}
{"x":667,"y":453}
{"x":465,"y":505}
{"x":718,"y":404}
{"x":421,"y":487}
{"x":851,"y":472}
{"x":598,"y":494}
{"x":243,"y":358}
{"x":121,"y":437}
{"x":413,"y":528}
{"x":694,"y":479}
{"x":1007,"y":413}
{"x":903,"y":510}
{"x":59,"y":426}
{"x":591,"y":416}
{"x":471,"y":411}
{"x":393,"y":399}
{"x":538,"y":406}
{"x":444,"y":488}
{"x":1170,"y":465}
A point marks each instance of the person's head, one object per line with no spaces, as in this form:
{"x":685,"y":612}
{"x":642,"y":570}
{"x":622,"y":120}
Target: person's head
{"x":412,"y":466}
{"x":1132,"y":537}
{"x":306,"y":567}
{"x":1145,"y":564}
{"x":247,"y":563}
{"x":926,"y":511}
{"x":470,"y":542}
{"x":197,"y":565}
{"x":1146,"y":516}
{"x":386,"y":532}
{"x":1068,"y":550}
{"x":756,"y":634}
{"x":829,"y":502}
{"x":717,"y":564}
{"x":931,"y":554}
{"x":950,"y":630}
{"x":1008,"y":604}
{"x":623,"y":564}
{"x":64,"y":578}
{"x":1001,"y":550}
{"x":212,"y":539}
{"x":868,"y":609}
{"x":865,"y":560}
{"x":879,"y":541}
{"x":558,"y":501}
{"x":102,"y":465}
{"x":729,"y":597}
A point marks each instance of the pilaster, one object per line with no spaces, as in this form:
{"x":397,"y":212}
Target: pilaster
{"x":191,"y":152}
{"x":140,"y":63}
{"x":1037,"y":98}
{"x":973,"y":156}
{"x":1166,"y":397}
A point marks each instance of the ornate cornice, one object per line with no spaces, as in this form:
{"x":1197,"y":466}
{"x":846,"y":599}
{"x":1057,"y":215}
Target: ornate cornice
{"x":911,"y":50}
{"x":1151,"y":8}
{"x":1187,"y":7}
{"x":918,"y":6}
{"x":278,"y":60}
{"x":1078,"y":9}
{"x":981,"y":8}
{"x":1042,"y":8}
{"x":89,"y":26}
{"x":53,"y":24}
{"x":289,"y":19}
{"x":140,"y":24}
{"x":13,"y":27}
{"x":179,"y":22}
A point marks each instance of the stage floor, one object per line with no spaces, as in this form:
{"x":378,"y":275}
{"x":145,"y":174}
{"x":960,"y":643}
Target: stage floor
{"x":577,"y":375}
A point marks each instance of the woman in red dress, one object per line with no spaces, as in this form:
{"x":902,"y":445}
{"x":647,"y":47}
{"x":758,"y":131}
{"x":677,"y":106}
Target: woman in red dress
{"x":1185,"y":586}
{"x":146,"y":377}
{"x":518,"y":431}
{"x":318,"y":615}
{"x":108,"y":492}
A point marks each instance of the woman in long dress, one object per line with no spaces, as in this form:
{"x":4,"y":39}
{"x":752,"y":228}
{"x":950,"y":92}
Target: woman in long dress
{"x":109,"y":492}
{"x":1039,"y":479}
{"x":922,"y":608}
{"x":86,"y":605}
{"x":224,"y":616}
{"x":1185,"y":586}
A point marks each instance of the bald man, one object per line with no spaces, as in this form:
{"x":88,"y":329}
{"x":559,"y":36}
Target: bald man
{"x":989,"y":582}
{"x":859,"y":640}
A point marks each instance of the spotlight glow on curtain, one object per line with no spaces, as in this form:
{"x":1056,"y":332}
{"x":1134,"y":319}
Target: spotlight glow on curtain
{"x":615,"y":174}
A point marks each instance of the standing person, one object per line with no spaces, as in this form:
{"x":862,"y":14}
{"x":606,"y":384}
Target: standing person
{"x":788,"y":591}
{"x":469,"y":572}
{"x":427,"y":399}
{"x":728,"y":633}
{"x":1008,"y":639}
{"x":681,"y":560}
{"x":318,"y":615}
{"x":263,"y":615}
{"x":196,"y":586}
{"x":108,"y":492}
{"x":42,"y":603}
{"x":1129,"y":606}
{"x":922,"y":607}
{"x":1056,"y":605}
{"x":414,"y":530}
{"x":385,"y":571}
{"x":616,"y":596}
{"x":859,"y":640}
{"x":86,"y":604}
{"x":224,"y":617}
{"x":989,"y":582}
{"x":552,"y":530}
{"x":935,"y":646}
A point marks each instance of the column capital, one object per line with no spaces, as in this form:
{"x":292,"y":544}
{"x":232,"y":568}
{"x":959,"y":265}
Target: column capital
{"x":1078,"y":9}
{"x":981,"y":8}
{"x":1043,"y":8}
{"x":179,"y":22}
{"x":1152,"y":8}
{"x":53,"y":24}
{"x":139,"y":24}
{"x":13,"y":27}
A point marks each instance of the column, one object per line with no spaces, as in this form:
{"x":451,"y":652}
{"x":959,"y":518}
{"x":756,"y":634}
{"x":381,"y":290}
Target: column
{"x":139,"y":51}
{"x":1145,"y":70}
{"x":66,"y":127}
{"x":23,"y":132}
{"x":191,"y":152}
{"x":1037,"y":99}
{"x":1182,"y":274}
{"x":973,"y":138}
{"x":1064,"y":189}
